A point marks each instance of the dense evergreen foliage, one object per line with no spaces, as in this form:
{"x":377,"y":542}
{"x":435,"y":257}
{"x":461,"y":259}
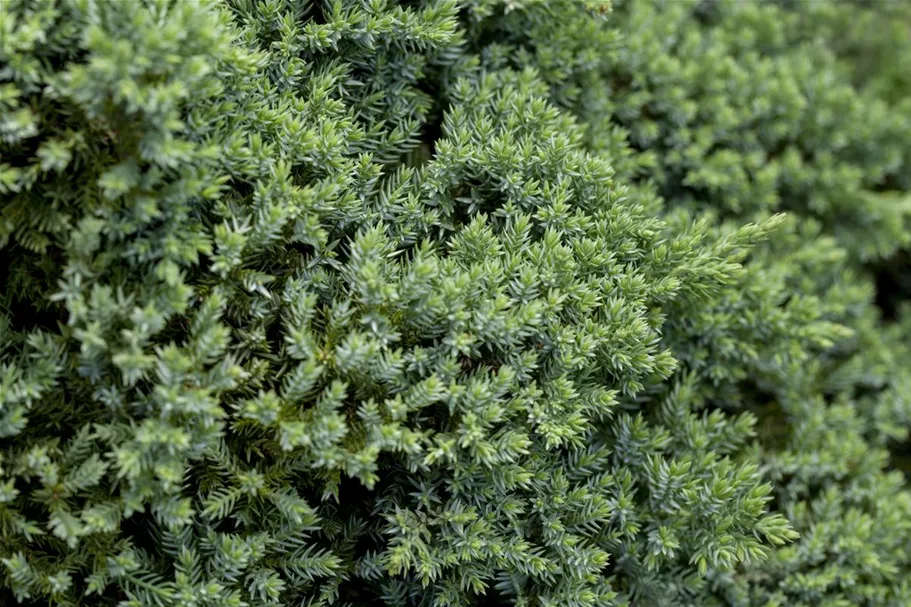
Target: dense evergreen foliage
{"x":545,"y":303}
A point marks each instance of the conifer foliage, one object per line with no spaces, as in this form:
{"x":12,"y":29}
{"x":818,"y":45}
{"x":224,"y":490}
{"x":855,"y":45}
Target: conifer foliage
{"x":450,"y":303}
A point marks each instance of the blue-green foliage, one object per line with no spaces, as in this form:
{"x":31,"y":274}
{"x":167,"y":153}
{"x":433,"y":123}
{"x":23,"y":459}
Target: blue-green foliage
{"x":441,"y":303}
{"x":742,"y":109}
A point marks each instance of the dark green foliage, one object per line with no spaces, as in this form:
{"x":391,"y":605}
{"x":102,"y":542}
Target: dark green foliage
{"x":741,"y":109}
{"x":452,"y":303}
